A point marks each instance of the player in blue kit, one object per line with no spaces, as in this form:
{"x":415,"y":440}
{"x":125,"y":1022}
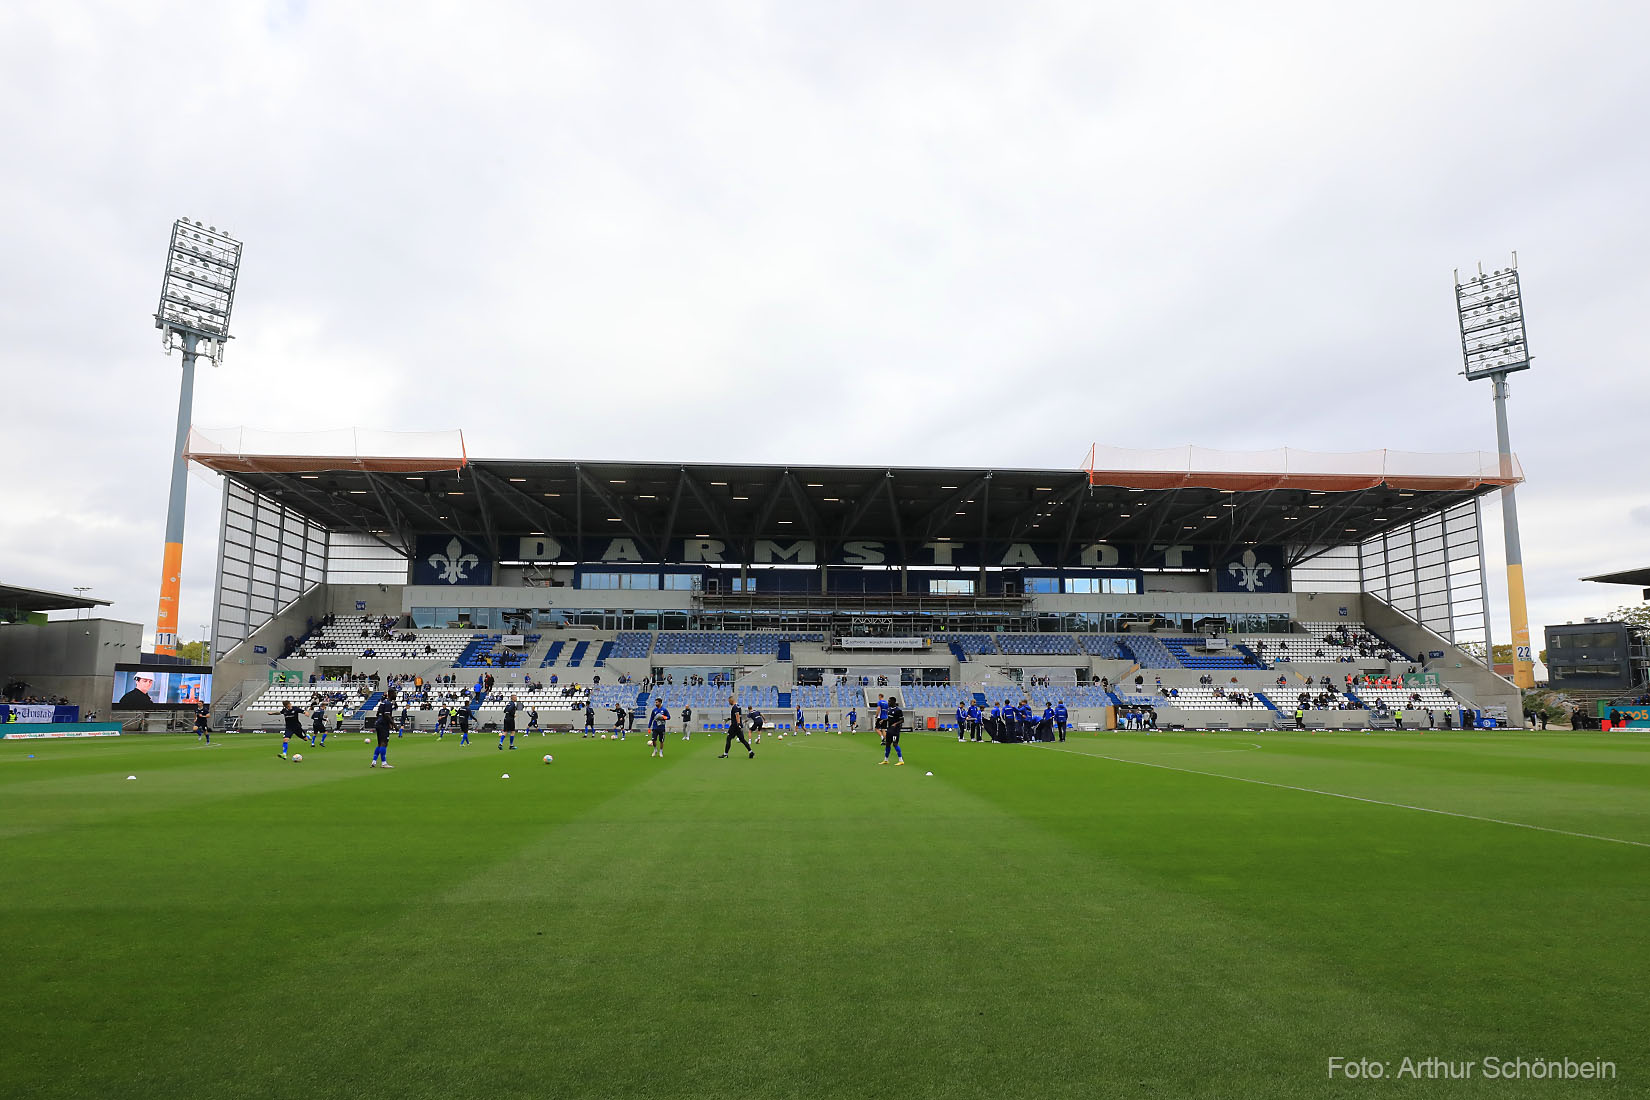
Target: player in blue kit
{"x":853,"y":720}
{"x":973,"y":721}
{"x":1060,"y":716}
{"x":962,"y":720}
{"x":656,"y":728}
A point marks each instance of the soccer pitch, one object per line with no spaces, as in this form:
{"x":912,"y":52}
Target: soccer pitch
{"x":1171,"y":915}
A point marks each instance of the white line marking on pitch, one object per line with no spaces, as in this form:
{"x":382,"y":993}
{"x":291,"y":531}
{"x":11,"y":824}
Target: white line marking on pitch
{"x":1358,"y":798}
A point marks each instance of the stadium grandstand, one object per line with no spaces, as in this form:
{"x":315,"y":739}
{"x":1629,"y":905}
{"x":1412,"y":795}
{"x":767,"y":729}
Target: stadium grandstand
{"x":1198,"y":588}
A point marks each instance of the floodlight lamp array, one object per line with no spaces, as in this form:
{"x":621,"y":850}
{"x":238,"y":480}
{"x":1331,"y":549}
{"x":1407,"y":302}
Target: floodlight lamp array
{"x":197,"y":291}
{"x":1491,"y":309}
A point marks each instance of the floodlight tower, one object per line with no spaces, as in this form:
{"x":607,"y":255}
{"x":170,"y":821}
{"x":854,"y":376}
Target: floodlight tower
{"x":1493,"y":345}
{"x":196,"y":295}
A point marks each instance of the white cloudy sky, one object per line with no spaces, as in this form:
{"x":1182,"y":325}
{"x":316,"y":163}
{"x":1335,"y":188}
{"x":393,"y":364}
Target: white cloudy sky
{"x":883,"y":232}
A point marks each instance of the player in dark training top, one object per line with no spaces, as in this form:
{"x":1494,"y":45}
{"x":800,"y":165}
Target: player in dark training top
{"x":736,"y":728}
{"x":384,"y":720}
{"x":294,"y":724}
{"x":890,"y":731}
{"x":509,"y":729}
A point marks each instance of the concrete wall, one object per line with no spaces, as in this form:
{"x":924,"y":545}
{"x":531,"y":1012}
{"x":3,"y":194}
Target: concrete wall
{"x":243,"y":662}
{"x":74,"y":658}
{"x":1457,"y":670}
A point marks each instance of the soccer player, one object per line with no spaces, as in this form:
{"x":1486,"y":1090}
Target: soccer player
{"x":1047,"y":724}
{"x":757,"y":722}
{"x":406,"y":720}
{"x":890,"y":731}
{"x":1060,"y":716}
{"x":385,"y":719}
{"x":973,"y":721}
{"x":656,"y":728}
{"x":318,"y":726}
{"x":882,"y":719}
{"x":800,"y":722}
{"x":962,"y":719}
{"x":509,"y":725}
{"x":687,"y":716}
{"x":441,"y":722}
{"x":736,"y":728}
{"x":853,"y":720}
{"x":202,"y":713}
{"x":589,"y":719}
{"x":532,"y":720}
{"x":463,"y":716}
{"x":294,"y":727}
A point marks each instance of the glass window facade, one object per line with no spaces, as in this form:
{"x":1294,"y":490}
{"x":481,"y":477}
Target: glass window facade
{"x":619,"y":581}
{"x":1432,"y":571}
{"x":268,"y":556}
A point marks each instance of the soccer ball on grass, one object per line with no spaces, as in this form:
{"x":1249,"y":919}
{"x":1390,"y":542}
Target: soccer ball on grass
{"x":297,"y":758}
{"x":548,"y":758}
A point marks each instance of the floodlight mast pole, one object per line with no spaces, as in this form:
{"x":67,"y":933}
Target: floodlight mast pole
{"x":197,"y":294}
{"x":177,"y":503}
{"x":1494,"y":345}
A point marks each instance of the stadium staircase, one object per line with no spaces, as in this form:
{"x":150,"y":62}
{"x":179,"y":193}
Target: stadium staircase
{"x":1149,"y":652}
{"x":577,"y":658}
{"x":470,"y":652}
{"x":368,"y":707}
{"x":1251,"y":654}
{"x":785,"y":700}
{"x":553,"y":653}
{"x":602,"y":654}
{"x":1267,"y":703}
{"x":958,"y":652}
{"x":784,"y":651}
{"x":1181,"y":648}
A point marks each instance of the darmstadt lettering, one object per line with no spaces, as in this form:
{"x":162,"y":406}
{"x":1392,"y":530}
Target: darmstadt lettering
{"x":1259,"y":568}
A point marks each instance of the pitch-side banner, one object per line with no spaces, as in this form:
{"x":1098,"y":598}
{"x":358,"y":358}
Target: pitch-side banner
{"x":37,"y":713}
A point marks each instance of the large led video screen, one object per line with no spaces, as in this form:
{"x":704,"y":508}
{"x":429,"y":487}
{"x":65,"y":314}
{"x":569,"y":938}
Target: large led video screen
{"x":141,"y":687}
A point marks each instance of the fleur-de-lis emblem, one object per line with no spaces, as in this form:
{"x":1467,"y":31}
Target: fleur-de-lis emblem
{"x":1249,"y":573}
{"x":454,"y":564}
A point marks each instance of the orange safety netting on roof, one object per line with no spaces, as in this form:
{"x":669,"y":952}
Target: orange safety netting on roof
{"x":249,"y":451}
{"x":1288,"y":468}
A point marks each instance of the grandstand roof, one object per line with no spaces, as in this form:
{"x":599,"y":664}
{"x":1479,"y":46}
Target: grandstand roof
{"x":1640,"y":577}
{"x":36,"y":599}
{"x":1222,"y":504}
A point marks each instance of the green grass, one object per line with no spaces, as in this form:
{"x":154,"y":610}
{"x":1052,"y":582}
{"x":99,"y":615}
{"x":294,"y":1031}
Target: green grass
{"x":1031,"y":921}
